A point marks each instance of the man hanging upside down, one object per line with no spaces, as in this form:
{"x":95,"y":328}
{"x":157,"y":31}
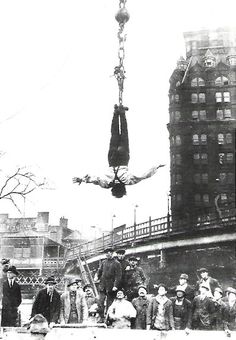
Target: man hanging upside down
{"x":118,"y":159}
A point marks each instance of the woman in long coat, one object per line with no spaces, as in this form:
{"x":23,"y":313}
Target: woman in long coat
{"x":73,"y":305}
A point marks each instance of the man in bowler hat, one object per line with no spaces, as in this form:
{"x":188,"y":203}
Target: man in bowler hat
{"x":109,"y":277}
{"x":11,"y":298}
{"x":208,"y":281}
{"x":47,"y":302}
{"x":125,"y":265}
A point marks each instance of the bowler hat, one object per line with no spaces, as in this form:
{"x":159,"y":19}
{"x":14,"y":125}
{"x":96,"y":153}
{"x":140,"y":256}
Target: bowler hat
{"x":13,"y":270}
{"x":133,"y":258}
{"x":71,"y":281}
{"x":184,"y":276}
{"x":180,"y":289}
{"x":120,"y":251}
{"x":51,"y":280}
{"x":201,"y":270}
{"x":231,"y":290}
{"x":109,"y":250}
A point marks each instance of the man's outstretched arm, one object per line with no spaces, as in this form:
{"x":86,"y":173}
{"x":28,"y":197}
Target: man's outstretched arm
{"x":89,"y":179}
{"x":149,"y":173}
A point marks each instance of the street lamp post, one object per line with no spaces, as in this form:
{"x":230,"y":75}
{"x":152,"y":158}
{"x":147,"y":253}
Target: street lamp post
{"x":112,"y":230}
{"x":135,"y":217}
{"x":94,"y":239}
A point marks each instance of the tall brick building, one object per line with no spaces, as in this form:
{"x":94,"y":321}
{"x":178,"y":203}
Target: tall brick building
{"x":202,"y":109}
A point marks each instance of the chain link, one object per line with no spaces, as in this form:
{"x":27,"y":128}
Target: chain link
{"x":119,"y":72}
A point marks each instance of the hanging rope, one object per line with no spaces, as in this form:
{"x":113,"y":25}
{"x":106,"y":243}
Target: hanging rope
{"x":122,"y":16}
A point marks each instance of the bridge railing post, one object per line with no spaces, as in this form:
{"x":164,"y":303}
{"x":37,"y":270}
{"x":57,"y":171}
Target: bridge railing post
{"x":150,"y":226}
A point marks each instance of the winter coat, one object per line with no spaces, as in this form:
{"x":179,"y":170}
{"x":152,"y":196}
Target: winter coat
{"x":231,"y":316}
{"x":81,"y":307}
{"x":185,"y":314}
{"x":220,"y":317}
{"x":134,"y":277}
{"x":203,"y":313}
{"x":109,"y":274}
{"x":11,"y":300}
{"x":152,"y":312}
{"x":141,"y":305}
{"x":124,"y":265}
{"x":49,"y":308}
{"x":120,"y":314}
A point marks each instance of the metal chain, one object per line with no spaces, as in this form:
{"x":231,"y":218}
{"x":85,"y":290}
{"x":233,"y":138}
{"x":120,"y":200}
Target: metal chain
{"x":122,"y":17}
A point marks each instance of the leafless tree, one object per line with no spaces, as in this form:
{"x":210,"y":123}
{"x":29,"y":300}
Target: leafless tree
{"x":18,"y":185}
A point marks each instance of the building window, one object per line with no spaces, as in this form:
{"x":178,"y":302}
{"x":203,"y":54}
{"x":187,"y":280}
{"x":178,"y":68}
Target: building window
{"x":205,"y":198}
{"x":200,"y":178}
{"x":197,"y":178}
{"x":220,"y":81}
{"x":218,"y":97}
{"x":202,"y":98}
{"x":203,"y":139}
{"x":178,"y":179}
{"x":230,"y":178}
{"x":197,"y":82}
{"x":223,"y":198}
{"x":177,"y":84}
{"x":228,"y":138}
{"x":194,"y":98}
{"x":195,"y":140}
{"x":220,"y":138}
{"x":232,"y":60}
{"x":204,"y":158}
{"x":178,"y":159}
{"x":199,"y":115}
{"x":226,"y":97}
{"x":200,"y":158}
{"x":204,"y":178}
{"x":177,"y":116}
{"x":229,"y":157}
{"x":177,"y":140}
{"x":197,"y":198}
{"x":227,"y":113}
{"x":222,"y":177}
{"x":176,"y":98}
{"x":198,"y":98}
{"x":202,"y":114}
{"x":223,"y":114}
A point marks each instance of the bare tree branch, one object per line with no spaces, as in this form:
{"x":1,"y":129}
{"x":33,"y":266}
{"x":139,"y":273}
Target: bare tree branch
{"x":18,"y":185}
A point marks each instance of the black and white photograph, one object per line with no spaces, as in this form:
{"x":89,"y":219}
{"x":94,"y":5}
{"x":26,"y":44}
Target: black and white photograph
{"x":117,"y":176}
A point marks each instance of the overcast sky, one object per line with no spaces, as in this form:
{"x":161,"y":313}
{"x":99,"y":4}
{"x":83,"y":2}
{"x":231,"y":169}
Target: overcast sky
{"x":57,"y":95}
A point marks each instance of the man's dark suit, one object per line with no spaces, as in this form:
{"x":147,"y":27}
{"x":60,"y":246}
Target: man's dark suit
{"x":49,"y":308}
{"x":11,"y":300}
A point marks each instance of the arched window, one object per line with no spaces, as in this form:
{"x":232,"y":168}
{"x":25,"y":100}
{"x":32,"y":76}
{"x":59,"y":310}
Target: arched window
{"x":220,"y":81}
{"x":197,"y":82}
{"x":197,"y":178}
{"x":205,"y":198}
{"x":177,"y":84}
